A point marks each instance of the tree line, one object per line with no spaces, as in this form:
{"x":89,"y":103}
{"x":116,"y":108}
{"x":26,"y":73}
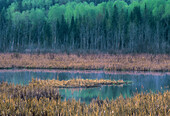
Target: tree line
{"x":138,"y":26}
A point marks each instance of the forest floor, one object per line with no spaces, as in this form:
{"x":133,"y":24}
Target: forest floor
{"x":121,"y":62}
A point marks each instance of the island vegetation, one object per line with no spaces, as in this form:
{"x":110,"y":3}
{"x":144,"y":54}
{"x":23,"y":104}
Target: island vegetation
{"x":76,"y":83}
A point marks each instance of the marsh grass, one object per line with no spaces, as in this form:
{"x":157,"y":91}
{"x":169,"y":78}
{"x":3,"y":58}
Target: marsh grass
{"x":76,"y":83}
{"x":23,"y":100}
{"x":28,"y":91}
{"x":126,"y":62}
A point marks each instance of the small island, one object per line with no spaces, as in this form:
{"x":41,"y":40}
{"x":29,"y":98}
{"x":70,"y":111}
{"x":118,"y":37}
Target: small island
{"x":76,"y":83}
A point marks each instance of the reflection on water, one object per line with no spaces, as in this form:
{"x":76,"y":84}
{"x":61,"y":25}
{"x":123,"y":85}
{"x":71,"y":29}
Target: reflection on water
{"x":142,"y":82}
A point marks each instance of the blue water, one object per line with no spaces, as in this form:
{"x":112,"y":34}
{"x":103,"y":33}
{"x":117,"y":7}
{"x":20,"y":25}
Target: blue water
{"x":142,"y":82}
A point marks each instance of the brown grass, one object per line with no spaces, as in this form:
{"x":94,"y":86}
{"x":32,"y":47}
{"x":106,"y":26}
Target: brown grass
{"x":12,"y":103}
{"x":129,"y":62}
{"x":75,"y":83}
{"x":28,"y":91}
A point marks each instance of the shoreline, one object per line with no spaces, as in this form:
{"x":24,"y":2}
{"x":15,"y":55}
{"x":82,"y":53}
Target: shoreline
{"x":79,"y":69}
{"x":104,"y":62}
{"x":86,"y":71}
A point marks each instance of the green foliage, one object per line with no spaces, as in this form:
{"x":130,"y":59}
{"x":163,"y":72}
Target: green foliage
{"x":36,"y":16}
{"x":11,"y":9}
{"x":97,"y":25}
{"x":167,"y":11}
{"x":55,"y":13}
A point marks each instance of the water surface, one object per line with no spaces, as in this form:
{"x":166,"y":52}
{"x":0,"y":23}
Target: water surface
{"x":142,"y":82}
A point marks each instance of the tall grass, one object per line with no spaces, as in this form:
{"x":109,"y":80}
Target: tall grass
{"x":126,"y":62}
{"x":23,"y":100}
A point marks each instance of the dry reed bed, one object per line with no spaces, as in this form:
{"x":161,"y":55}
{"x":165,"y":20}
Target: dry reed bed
{"x":75,"y":83}
{"x":28,"y":91}
{"x":139,"y":105}
{"x":138,"y":62}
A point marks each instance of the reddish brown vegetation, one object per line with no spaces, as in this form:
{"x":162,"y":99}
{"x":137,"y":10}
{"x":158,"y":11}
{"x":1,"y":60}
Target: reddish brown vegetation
{"x":138,"y":62}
